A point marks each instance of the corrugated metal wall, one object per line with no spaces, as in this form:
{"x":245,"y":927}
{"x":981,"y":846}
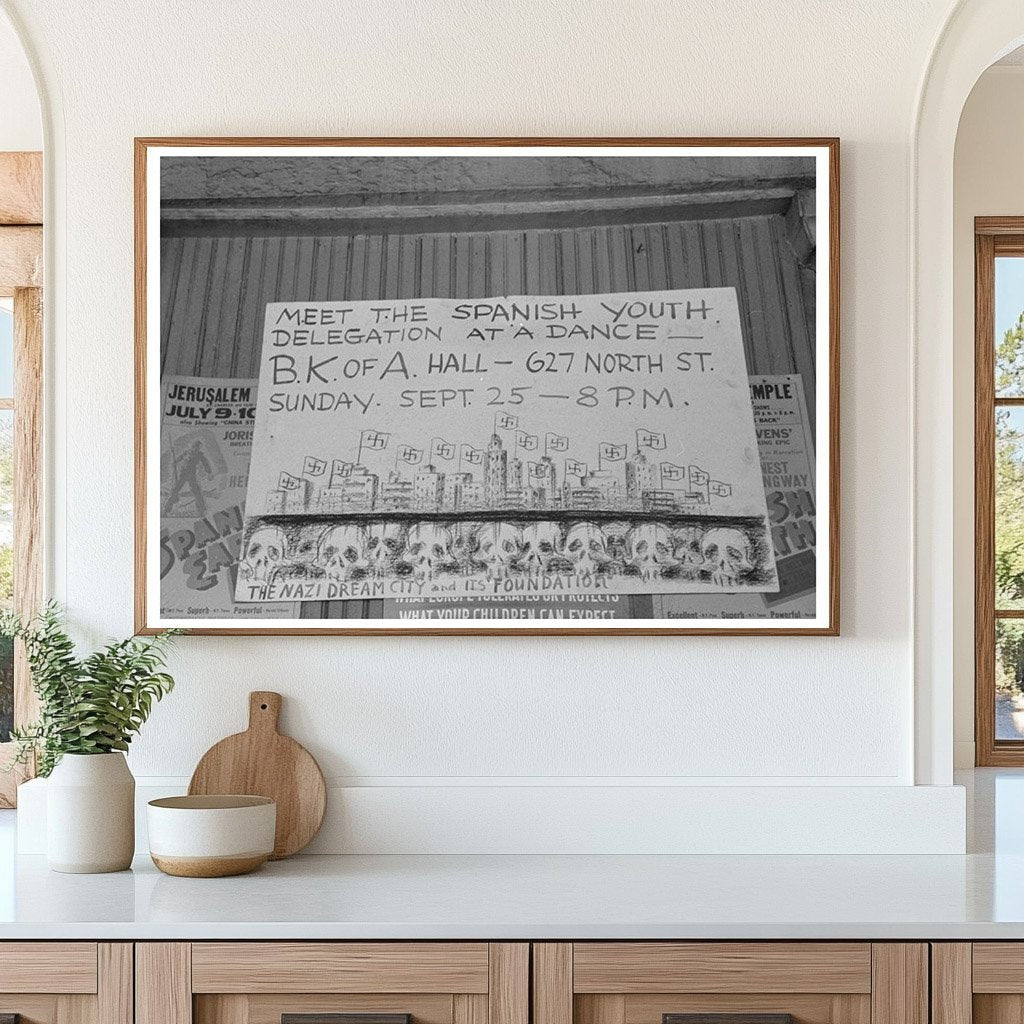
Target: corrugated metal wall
{"x":215,"y":288}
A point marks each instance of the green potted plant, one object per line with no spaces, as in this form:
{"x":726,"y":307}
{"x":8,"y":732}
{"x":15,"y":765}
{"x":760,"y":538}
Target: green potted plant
{"x":90,"y":708}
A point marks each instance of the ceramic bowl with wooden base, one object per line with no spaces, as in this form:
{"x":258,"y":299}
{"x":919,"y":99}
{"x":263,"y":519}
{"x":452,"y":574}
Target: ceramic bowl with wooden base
{"x":211,"y":836}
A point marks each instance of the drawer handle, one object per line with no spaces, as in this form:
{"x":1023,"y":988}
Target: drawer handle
{"x":339,"y":1018}
{"x":727,"y":1018}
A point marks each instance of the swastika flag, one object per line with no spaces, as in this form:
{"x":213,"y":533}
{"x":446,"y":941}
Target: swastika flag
{"x":374,"y":440}
{"x":442,"y":449}
{"x":648,"y":439}
{"x":611,"y":452}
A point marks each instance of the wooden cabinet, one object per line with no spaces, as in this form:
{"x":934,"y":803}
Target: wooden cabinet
{"x":499,"y":983}
{"x":66,"y":982}
{"x":758,"y":982}
{"x":264,"y":982}
{"x":978,"y":983}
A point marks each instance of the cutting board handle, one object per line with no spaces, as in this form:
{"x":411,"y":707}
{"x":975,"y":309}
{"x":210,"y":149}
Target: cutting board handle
{"x":264,"y":710}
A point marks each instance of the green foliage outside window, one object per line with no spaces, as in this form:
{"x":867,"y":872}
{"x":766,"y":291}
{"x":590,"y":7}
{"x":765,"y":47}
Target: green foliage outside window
{"x":1009,"y":510}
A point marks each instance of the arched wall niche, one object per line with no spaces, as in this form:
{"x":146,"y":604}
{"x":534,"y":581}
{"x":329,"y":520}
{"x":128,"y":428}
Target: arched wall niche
{"x":976,"y":34}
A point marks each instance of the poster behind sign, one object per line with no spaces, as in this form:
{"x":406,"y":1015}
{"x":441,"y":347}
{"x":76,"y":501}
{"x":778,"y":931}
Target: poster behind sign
{"x":205,"y":445}
{"x":788,"y":469}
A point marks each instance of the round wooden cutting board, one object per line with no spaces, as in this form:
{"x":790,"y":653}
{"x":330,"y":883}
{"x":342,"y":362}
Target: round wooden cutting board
{"x":262,"y":762}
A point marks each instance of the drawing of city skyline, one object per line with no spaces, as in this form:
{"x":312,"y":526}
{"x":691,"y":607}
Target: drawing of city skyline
{"x":461,"y":477}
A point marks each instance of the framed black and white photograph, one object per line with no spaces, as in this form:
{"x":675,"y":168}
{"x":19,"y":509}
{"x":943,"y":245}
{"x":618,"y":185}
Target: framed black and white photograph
{"x":487,"y":385}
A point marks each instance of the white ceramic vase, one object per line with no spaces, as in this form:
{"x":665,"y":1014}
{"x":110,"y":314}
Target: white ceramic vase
{"x":90,"y":814}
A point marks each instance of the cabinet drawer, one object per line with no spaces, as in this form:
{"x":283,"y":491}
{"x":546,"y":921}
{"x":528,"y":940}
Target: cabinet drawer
{"x":64,"y":967}
{"x":730,"y":983}
{"x":340,"y":967}
{"x":332,"y":983}
{"x":66,"y":982}
{"x":634,"y":967}
{"x":998,"y":967}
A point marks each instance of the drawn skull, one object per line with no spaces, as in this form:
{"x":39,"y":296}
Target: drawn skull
{"x":383,"y":547}
{"x":686,"y":548}
{"x":586,"y":548}
{"x":542,"y":543}
{"x":302,"y":551}
{"x":650,"y":550}
{"x":264,"y":553}
{"x":727,"y":555}
{"x":615,"y":535}
{"x":497,"y":546}
{"x":464,"y":541}
{"x":342,"y":552}
{"x":428,"y":548}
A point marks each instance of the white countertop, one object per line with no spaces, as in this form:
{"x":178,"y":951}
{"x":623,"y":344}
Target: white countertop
{"x":977,"y":896}
{"x":517,"y":897}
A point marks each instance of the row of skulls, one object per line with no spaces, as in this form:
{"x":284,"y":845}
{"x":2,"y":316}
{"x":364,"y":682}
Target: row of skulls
{"x":721,"y":555}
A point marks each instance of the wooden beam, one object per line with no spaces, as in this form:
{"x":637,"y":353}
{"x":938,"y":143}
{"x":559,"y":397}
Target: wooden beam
{"x":21,"y":188}
{"x":485,"y":213}
{"x":28,"y":482}
{"x":28,"y":500}
{"x":21,"y":271}
{"x":21,"y":258}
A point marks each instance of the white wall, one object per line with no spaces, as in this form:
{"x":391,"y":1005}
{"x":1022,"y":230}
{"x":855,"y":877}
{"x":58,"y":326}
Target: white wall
{"x":21,"y":126}
{"x":987,"y":182}
{"x":379,"y":713}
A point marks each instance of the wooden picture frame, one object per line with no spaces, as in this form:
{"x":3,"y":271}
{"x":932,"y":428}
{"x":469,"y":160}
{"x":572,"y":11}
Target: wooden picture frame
{"x":227,"y":227}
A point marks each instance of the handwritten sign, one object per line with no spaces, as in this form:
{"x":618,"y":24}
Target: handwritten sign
{"x":559,"y":443}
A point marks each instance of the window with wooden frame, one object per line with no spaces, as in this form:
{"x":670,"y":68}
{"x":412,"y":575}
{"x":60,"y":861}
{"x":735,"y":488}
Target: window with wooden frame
{"x":21,"y":362}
